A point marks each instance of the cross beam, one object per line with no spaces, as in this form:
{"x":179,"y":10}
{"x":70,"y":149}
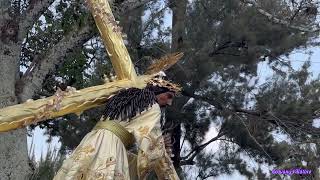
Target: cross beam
{"x":112,"y":39}
{"x":72,"y":101}
{"x":62,"y":103}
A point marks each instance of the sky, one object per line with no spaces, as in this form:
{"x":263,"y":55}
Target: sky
{"x":297,"y":58}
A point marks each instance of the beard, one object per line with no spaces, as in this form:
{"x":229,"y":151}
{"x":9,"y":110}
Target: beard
{"x":163,"y":106}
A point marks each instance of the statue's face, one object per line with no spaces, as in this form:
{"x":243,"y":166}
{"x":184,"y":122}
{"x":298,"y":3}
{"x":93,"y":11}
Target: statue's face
{"x":165,"y":99}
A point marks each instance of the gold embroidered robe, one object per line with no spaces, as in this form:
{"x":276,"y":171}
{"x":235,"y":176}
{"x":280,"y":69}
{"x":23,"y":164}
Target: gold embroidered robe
{"x":102,"y":155}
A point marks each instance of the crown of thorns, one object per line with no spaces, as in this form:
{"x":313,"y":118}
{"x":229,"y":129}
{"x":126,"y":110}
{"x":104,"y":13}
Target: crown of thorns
{"x":157,"y":81}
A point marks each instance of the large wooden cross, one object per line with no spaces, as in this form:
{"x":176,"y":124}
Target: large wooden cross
{"x":73,"y":101}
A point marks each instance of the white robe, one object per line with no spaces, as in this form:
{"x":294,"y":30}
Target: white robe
{"x":102,"y":155}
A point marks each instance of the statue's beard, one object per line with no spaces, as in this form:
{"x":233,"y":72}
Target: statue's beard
{"x":163,"y":106}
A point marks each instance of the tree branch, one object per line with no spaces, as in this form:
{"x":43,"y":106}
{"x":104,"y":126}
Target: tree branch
{"x":290,"y":125}
{"x":33,"y":12}
{"x":296,"y":11}
{"x":153,"y":17}
{"x":280,"y":21}
{"x":219,"y":105}
{"x":4,"y":11}
{"x":226,"y":45}
{"x":188,"y":159}
{"x":32,"y":81}
{"x":132,"y":4}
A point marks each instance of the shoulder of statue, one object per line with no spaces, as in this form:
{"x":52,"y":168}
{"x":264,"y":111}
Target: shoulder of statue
{"x":156,"y":107}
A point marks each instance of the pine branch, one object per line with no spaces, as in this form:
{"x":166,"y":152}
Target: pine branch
{"x":229,"y":44}
{"x":276,"y":20}
{"x":288,"y":124}
{"x":251,"y":136}
{"x":130,"y":5}
{"x":220,"y":105}
{"x":153,"y":17}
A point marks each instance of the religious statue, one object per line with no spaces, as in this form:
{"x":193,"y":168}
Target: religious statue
{"x":130,"y":127}
{"x":127,"y":142}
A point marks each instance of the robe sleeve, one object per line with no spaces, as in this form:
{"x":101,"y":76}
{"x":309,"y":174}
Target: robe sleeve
{"x":152,"y":155}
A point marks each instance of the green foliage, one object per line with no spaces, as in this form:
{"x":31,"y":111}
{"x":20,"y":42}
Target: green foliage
{"x":47,"y":166}
{"x":51,"y":27}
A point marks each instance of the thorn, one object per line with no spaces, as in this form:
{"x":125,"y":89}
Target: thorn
{"x":106,"y":79}
{"x":113,"y":78}
{"x":29,"y":100}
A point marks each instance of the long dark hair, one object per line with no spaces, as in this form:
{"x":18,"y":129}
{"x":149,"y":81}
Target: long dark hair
{"x":128,"y":102}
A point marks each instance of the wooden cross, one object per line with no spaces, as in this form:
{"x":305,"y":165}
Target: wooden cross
{"x":73,"y":101}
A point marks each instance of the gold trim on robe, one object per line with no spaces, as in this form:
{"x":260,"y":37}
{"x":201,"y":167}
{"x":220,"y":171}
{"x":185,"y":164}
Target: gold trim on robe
{"x":126,"y":137}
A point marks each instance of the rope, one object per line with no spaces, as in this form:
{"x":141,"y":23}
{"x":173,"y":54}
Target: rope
{"x":125,"y":136}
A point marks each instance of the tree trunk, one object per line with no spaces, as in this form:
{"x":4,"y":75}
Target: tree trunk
{"x":179,"y":8}
{"x":178,"y":35}
{"x":132,"y":27}
{"x":13,"y":145}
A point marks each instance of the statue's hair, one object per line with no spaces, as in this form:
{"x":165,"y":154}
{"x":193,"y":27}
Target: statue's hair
{"x":128,"y":102}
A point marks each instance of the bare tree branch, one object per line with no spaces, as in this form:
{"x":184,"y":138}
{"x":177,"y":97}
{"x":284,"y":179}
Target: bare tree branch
{"x":188,"y":159}
{"x":280,"y":21}
{"x":33,"y":12}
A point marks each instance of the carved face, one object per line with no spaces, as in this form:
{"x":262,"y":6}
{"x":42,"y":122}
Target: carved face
{"x":165,"y":99}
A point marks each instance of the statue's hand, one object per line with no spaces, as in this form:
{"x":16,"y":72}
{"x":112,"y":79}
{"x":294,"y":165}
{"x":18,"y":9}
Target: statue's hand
{"x":168,"y":144}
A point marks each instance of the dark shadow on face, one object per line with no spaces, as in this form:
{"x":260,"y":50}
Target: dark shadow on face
{"x":165,"y":99}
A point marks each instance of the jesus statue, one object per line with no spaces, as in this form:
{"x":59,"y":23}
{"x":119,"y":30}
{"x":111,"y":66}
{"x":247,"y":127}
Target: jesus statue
{"x":127,"y":142}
